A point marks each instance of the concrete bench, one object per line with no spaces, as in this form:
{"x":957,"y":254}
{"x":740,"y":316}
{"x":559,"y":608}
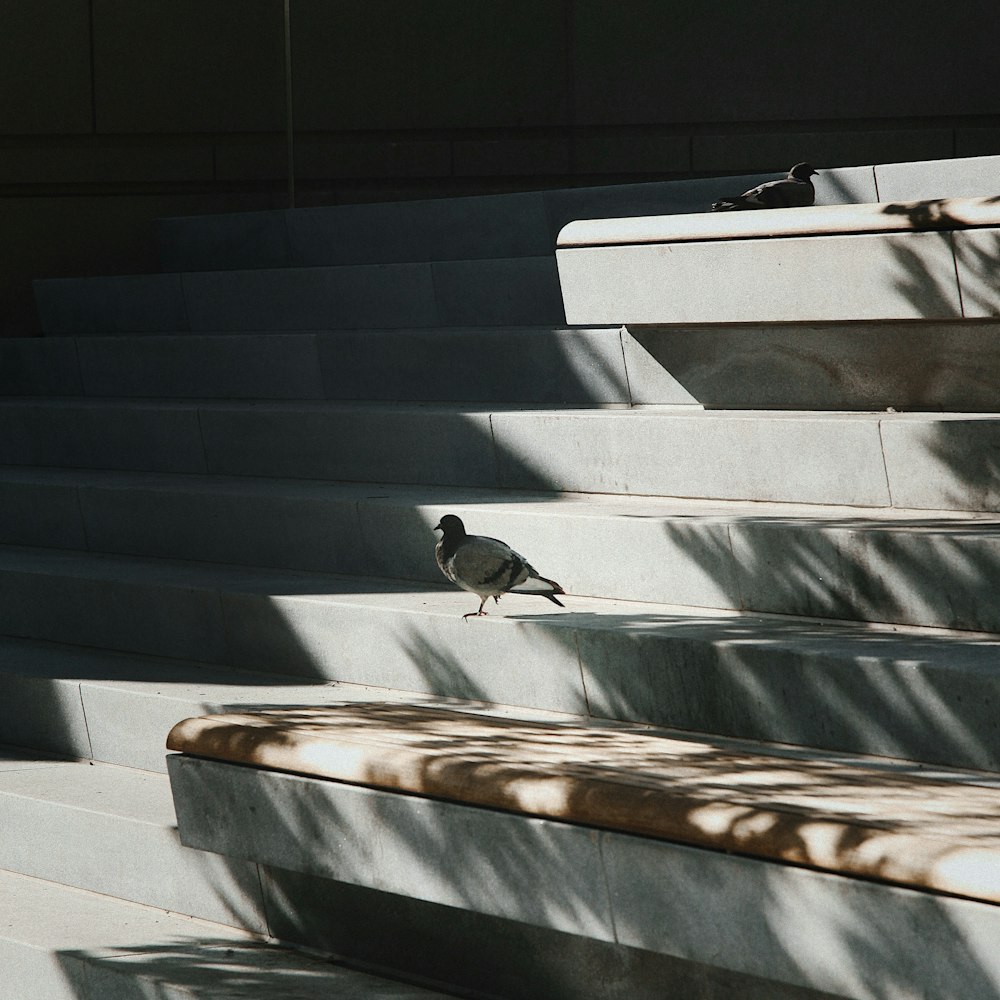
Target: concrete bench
{"x":935,"y":259}
{"x":768,"y":861}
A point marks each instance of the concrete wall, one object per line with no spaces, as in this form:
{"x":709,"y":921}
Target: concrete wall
{"x":114,"y":112}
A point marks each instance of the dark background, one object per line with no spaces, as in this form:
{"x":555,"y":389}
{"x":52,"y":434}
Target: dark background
{"x":114,"y":112}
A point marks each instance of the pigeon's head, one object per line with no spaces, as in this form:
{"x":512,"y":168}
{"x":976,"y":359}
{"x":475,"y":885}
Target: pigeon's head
{"x":802,"y":171}
{"x":450,"y":525}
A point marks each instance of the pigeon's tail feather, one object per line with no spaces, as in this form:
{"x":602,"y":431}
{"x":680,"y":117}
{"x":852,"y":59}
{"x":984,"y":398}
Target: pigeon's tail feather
{"x":548,"y":594}
{"x":728,"y":205}
{"x":554,"y":599}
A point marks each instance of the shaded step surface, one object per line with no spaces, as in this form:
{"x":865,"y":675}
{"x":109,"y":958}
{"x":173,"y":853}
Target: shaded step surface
{"x":782,"y":922}
{"x":924,"y":694}
{"x":507,"y":292}
{"x":67,"y":944}
{"x":112,"y":830}
{"x":926,"y":461}
{"x":479,"y":364}
{"x":951,"y":366}
{"x":505,"y":225}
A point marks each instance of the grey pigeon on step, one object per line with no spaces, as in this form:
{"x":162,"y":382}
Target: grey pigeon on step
{"x":485,"y":566}
{"x":793,"y":191}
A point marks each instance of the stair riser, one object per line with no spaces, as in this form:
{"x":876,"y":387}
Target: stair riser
{"x":502,"y":365}
{"x":127,"y":859}
{"x":520,"y":291}
{"x":901,"y":461}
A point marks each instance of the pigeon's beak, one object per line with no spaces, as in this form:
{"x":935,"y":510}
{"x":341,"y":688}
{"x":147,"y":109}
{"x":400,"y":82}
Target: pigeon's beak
{"x":437,"y":527}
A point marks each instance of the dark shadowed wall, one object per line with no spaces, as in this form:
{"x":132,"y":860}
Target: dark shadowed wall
{"x":113,"y":112}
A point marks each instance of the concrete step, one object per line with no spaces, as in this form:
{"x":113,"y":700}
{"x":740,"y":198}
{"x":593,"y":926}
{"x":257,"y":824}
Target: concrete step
{"x":504,"y":225}
{"x":906,"y":461}
{"x":491,"y":364}
{"x":949,"y":366}
{"x":506,"y":292}
{"x":59,"y":943}
{"x":902,"y":691}
{"x":513,"y":225}
{"x":112,"y":830}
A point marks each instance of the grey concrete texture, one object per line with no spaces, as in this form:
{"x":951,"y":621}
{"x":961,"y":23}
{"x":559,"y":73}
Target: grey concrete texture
{"x":891,"y":276}
{"x":118,"y":707}
{"x":112,"y":830}
{"x":488,"y":955}
{"x":69,"y":944}
{"x":887,"y":690}
{"x":778,"y":922}
{"x":504,"y":364}
{"x":865,"y":459}
{"x":80,"y":434}
{"x":448,"y":229}
{"x":400,"y":844}
{"x":915,"y":365}
{"x":497,"y":292}
{"x":964,"y":177}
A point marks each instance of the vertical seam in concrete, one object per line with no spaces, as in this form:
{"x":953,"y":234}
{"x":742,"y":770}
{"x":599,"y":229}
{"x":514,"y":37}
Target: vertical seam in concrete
{"x":958,"y":280}
{"x":583,"y":675}
{"x":497,"y":467}
{"x":875,"y":182}
{"x":601,"y":837}
{"x":201,"y":439}
{"x":182,"y":277}
{"x":79,"y":366}
{"x":86,"y":721}
{"x":434,"y":293}
{"x":263,"y":901}
{"x":734,"y":563}
{"x":78,"y":492}
{"x":628,"y":382}
{"x":885,"y":464}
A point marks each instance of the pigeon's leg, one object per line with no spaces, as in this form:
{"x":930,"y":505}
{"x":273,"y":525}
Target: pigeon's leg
{"x":480,"y":612}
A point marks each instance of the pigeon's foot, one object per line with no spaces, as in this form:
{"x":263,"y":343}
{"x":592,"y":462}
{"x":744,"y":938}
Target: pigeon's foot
{"x":475,"y":614}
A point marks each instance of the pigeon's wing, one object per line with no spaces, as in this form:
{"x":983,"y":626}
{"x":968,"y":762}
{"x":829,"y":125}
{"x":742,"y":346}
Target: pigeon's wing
{"x":487,"y":566}
{"x":787,"y":193}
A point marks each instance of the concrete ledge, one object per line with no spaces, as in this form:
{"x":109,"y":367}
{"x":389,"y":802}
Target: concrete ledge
{"x":907,"y":261}
{"x":732,"y":911}
{"x":888,"y":823}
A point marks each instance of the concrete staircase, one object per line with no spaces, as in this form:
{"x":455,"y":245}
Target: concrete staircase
{"x":218,"y":485}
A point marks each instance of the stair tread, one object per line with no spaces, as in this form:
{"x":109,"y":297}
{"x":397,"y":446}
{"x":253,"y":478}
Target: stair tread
{"x":64,"y":943}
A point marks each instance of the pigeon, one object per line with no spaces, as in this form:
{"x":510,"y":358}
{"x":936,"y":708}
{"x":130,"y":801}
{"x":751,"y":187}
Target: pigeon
{"x":793,"y":191}
{"x":485,"y":566}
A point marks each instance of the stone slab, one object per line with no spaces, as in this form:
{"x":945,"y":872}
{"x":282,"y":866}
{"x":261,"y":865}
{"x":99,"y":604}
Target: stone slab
{"x":58,"y":949}
{"x":891,"y":276}
{"x":887,"y":824}
{"x":34,"y":366}
{"x":112,"y":830}
{"x":124,"y":304}
{"x":292,"y":528}
{"x":81,"y":434}
{"x":362,"y":444}
{"x":950,"y":366}
{"x":191,"y":366}
{"x":438,"y":851}
{"x":752,"y":456}
{"x":508,"y":292}
{"x":225,"y":241}
{"x":963,"y":177}
{"x":811,"y":929}
{"x":310,"y":298}
{"x":976,"y":261}
{"x":484,"y":364}
{"x":40,"y":512}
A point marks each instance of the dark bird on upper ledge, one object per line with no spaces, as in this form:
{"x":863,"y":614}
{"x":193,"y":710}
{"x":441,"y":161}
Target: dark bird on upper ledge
{"x":485,"y":566}
{"x":793,"y":191}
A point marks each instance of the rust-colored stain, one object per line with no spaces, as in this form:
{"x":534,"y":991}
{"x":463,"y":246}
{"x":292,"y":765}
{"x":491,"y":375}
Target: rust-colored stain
{"x":853,"y":817}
